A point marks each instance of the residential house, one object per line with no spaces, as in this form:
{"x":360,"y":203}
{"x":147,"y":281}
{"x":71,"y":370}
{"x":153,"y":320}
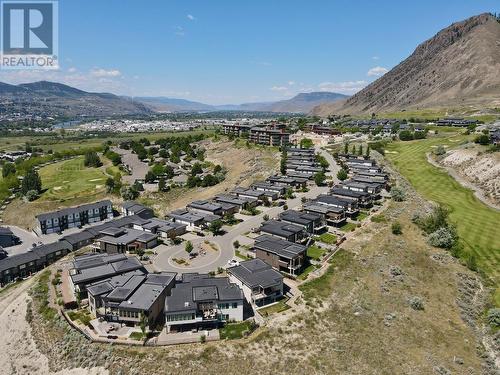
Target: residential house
{"x":130,"y":208}
{"x":120,"y":240}
{"x":276,"y":190}
{"x":261,"y":284}
{"x":349,"y":206}
{"x":241,"y":203}
{"x":282,"y":255}
{"x":126,"y":298}
{"x":283,"y":230}
{"x":311,"y":222}
{"x":334,"y":216}
{"x":298,"y":183}
{"x":205,"y":207}
{"x":200,"y":301}
{"x":363,"y":198}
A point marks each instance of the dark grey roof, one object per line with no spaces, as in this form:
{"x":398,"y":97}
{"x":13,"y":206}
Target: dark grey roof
{"x":18,"y":259}
{"x":92,"y":260}
{"x":349,"y":193}
{"x":103,"y":271}
{"x":322,"y":208}
{"x":302,"y":218}
{"x":279,"y":247}
{"x":76,"y":238}
{"x":196,"y":288}
{"x":44,"y":250}
{"x":128,"y":236}
{"x":6,"y":231}
{"x":205,"y":205}
{"x":185,"y":215}
{"x":331,"y":201}
{"x":280,"y":228}
{"x":256,"y":272}
{"x":72,"y":210}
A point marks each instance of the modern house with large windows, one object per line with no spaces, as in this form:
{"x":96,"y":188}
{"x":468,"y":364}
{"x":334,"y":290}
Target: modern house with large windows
{"x":282,"y":255}
{"x":261,"y":284}
{"x":200,"y":301}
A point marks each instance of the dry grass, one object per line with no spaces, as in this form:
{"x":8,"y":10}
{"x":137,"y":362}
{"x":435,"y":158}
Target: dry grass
{"x":244,"y":166}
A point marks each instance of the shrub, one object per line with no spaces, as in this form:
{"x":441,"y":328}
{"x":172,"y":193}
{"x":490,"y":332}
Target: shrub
{"x":266,"y":217}
{"x":342,"y":174}
{"x":31,"y":195}
{"x":444,"y":237}
{"x":440,"y":150}
{"x":203,"y":339}
{"x":396,"y":228}
{"x":482,"y":139}
{"x":471,"y":262}
{"x":416,"y":303}
{"x":398,"y":194}
{"x":493,"y":317}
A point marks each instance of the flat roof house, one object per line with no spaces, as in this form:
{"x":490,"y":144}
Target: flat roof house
{"x":57,"y":221}
{"x":277,"y":190}
{"x":261,"y":284}
{"x":282,"y":255}
{"x":245,"y":193}
{"x":91,"y":268}
{"x":350,"y":206}
{"x":193,"y":220}
{"x":120,"y":240}
{"x":363,"y":186}
{"x":283,"y":230}
{"x":130,"y":208}
{"x":205,"y":207}
{"x":241,"y":203}
{"x":201,"y":301}
{"x":164,"y":228}
{"x":334,"y":216}
{"x":311,"y":222}
{"x":363,"y":198}
{"x":296,"y":182}
{"x":125,"y":298}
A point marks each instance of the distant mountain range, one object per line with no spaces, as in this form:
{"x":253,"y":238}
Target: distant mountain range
{"x":55,"y":99}
{"x":459,"y":66}
{"x":45,"y":98}
{"x":303,"y":102}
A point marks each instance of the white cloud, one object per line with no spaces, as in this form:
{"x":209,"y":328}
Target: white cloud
{"x":375,"y":58}
{"x":377,"y":71}
{"x":191,"y":17}
{"x":348,"y":87}
{"x":72,"y":70}
{"x":291,"y":83}
{"x":99,"y":72}
{"x":179,"y":31}
{"x":279,"y":88}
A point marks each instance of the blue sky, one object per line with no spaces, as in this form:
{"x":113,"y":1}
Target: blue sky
{"x":239,"y":51}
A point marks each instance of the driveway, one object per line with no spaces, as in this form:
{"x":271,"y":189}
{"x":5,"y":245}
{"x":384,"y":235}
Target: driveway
{"x":164,"y":260}
{"x":138,"y":168}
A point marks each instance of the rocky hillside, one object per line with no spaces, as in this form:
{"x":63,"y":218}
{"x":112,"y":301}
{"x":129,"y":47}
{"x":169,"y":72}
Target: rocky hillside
{"x":460,"y":65}
{"x":55,"y":99}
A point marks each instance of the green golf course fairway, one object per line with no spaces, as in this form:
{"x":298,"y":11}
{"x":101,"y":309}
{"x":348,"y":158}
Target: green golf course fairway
{"x":478,"y":225}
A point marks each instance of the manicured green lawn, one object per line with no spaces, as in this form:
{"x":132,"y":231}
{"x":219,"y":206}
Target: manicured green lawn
{"x":306,"y":272}
{"x":235,"y":330}
{"x":347,"y":227}
{"x":328,"y":238}
{"x":362,"y":216}
{"x":70,"y":179}
{"x":477,"y":224}
{"x":240,"y":255}
{"x":278,"y":307}
{"x":315,"y":252}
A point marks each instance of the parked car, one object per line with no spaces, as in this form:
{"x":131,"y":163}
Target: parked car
{"x":233,"y":263}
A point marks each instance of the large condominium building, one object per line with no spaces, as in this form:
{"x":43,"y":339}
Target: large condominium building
{"x":269,"y":136}
{"x":239,"y":130}
{"x":57,"y":221}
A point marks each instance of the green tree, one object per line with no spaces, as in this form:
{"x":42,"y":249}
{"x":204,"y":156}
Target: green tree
{"x":196,"y":169}
{"x":367,"y":154}
{"x":143,"y":323}
{"x":162,"y":184}
{"x":91,"y":159}
{"x":482,"y":139}
{"x":319,"y":178}
{"x":360,"y":150}
{"x":306,"y":143}
{"x":215,"y":227}
{"x":342,"y":174}
{"x":8,"y":169}
{"x":188,"y":247}
{"x":346,"y":148}
{"x":110,"y":184}
{"x":396,"y":228}
{"x":150,"y":177}
{"x":31,"y":181}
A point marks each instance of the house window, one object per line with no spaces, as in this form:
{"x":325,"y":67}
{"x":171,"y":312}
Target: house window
{"x":235,"y":305}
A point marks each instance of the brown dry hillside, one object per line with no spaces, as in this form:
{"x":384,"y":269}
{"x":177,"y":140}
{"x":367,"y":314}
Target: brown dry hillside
{"x":460,"y":65}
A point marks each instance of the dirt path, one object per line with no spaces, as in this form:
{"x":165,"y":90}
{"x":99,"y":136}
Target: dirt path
{"x":477,"y":191}
{"x":18,"y":351}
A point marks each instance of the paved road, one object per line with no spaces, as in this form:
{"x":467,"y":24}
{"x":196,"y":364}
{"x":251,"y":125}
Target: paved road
{"x":334,"y":167}
{"x":163,"y":262}
{"x":137,"y":168}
